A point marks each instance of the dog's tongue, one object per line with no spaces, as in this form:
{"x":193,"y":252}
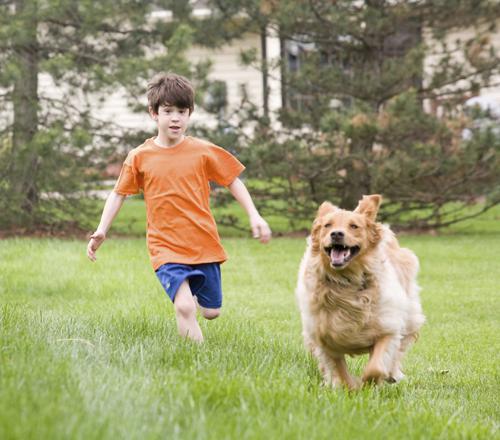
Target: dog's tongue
{"x":338,"y":256}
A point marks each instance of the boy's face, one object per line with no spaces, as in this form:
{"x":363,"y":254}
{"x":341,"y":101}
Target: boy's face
{"x":172,"y":122}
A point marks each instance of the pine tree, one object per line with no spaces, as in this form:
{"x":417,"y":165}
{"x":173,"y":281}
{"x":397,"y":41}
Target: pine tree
{"x":364,"y":112}
{"x":52,"y":145}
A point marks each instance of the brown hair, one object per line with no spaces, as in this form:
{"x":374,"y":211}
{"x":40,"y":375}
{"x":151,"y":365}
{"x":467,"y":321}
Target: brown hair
{"x":169,"y":88}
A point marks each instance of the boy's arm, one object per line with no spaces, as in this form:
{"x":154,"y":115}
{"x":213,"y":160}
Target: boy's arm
{"x":260,"y":228}
{"x":111,"y":207}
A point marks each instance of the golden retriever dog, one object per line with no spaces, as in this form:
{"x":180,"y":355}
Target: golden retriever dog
{"x":357,"y":293}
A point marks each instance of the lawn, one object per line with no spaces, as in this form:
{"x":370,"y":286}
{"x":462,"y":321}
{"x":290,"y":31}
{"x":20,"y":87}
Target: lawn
{"x":90,"y":351}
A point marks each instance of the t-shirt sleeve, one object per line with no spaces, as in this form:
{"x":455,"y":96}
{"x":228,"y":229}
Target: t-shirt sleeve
{"x":130,"y":180}
{"x":222,"y":166}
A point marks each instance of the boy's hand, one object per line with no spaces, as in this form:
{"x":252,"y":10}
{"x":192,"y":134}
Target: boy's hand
{"x":96,"y":239}
{"x":260,"y":229}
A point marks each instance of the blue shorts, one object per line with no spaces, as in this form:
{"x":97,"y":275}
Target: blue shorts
{"x":204,"y":281}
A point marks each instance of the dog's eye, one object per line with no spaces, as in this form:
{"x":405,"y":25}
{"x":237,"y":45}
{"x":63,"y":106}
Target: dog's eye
{"x":353,"y":226}
{"x":328,"y":225}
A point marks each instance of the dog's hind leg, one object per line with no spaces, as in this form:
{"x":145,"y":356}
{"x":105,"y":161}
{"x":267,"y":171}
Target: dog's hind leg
{"x":343,"y":374}
{"x":326,"y":367}
{"x":334,"y":370}
{"x":395,"y":373}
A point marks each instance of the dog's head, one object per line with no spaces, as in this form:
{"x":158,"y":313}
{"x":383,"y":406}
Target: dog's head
{"x":341,"y":236}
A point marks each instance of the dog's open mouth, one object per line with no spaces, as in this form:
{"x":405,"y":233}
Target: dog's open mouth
{"x":340,"y":255}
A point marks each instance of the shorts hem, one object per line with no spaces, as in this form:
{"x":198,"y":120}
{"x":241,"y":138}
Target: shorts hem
{"x":209,"y":307}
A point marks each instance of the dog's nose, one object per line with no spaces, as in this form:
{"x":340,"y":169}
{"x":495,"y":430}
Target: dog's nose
{"x":337,"y":235}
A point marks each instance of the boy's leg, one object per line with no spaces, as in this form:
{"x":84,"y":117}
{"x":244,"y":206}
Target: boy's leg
{"x":185,"y":313}
{"x":209,"y":313}
{"x":209,"y":294}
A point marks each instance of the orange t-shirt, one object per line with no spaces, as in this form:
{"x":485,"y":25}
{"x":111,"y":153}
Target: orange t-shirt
{"x":175,"y":182}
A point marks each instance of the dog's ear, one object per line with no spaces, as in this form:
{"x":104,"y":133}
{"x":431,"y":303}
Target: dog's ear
{"x":315,"y":234}
{"x":325,"y":208}
{"x":369,"y":205}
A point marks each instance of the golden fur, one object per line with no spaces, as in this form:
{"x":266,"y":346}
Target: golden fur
{"x":357,"y":293}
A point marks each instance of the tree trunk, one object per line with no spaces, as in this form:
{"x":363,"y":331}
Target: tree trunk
{"x":25,"y":103}
{"x":264,"y":68}
{"x":358,"y":180}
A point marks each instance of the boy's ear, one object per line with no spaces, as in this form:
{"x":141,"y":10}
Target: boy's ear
{"x":369,"y":205}
{"x":152,"y":113}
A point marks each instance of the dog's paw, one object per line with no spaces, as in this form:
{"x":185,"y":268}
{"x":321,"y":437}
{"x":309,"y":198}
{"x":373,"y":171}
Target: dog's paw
{"x":374,"y":375}
{"x":395,"y":377}
{"x":352,"y":384}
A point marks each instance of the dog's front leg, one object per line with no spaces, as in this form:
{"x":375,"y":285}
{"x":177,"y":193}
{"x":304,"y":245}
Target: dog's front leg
{"x":376,"y":370}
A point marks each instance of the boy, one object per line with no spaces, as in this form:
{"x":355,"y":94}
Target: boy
{"x":173,"y":171}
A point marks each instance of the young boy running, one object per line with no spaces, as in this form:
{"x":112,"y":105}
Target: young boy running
{"x":173,"y":171}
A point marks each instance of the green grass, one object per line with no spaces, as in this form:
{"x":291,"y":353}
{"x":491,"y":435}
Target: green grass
{"x":90,"y":351}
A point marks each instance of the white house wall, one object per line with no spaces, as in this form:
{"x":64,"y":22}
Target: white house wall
{"x":226,"y":66}
{"x":491,"y":93}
